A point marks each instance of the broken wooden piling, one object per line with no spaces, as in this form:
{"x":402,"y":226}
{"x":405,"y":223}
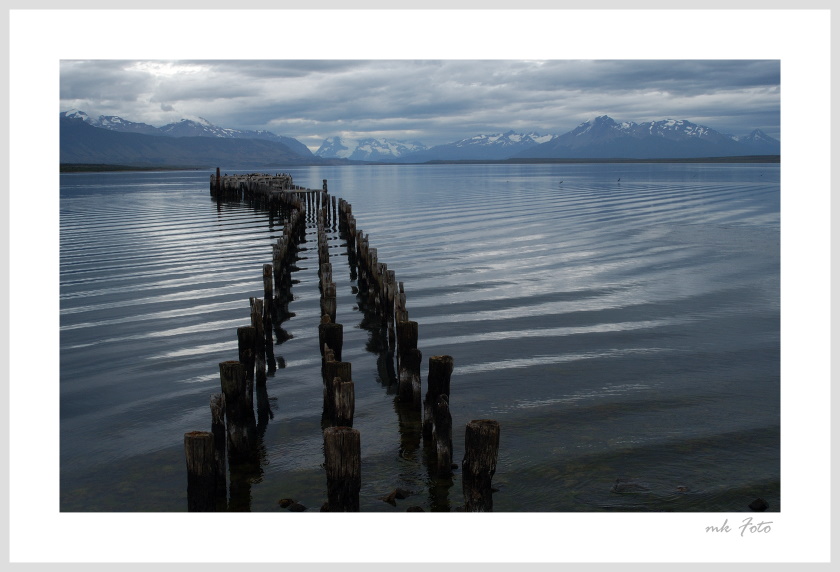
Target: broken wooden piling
{"x":343,"y":465}
{"x":409,"y":360}
{"x":344,"y":399}
{"x":247,"y":340}
{"x":259,"y":340}
{"x":334,"y":372}
{"x":442,"y":437}
{"x":241,"y":424}
{"x":217,"y":428}
{"x":332,"y":335}
{"x":268,"y":344}
{"x":481,"y":451}
{"x":440,"y":372}
{"x":201,"y":471}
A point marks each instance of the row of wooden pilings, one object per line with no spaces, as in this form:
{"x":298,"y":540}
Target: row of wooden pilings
{"x":232,"y":412}
{"x":233,"y":438}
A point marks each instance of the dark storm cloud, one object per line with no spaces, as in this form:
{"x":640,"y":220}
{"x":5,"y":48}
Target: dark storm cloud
{"x":429,"y":101}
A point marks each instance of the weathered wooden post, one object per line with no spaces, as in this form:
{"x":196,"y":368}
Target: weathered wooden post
{"x":268,"y":291}
{"x":259,"y":339}
{"x":442,"y":436}
{"x":409,"y":360}
{"x":390,"y":300}
{"x":481,"y":451}
{"x":332,"y":335}
{"x":246,"y":338}
{"x":345,"y":402}
{"x":218,"y":181}
{"x":400,"y":311}
{"x":343,"y":464}
{"x":332,"y":371}
{"x":325,"y":274}
{"x":328,"y":301}
{"x":440,"y":372}
{"x":217,"y":427}
{"x":241,"y":425}
{"x":201,"y":471}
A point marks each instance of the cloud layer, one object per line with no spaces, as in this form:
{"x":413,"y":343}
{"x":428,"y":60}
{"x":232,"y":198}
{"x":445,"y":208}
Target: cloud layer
{"x":431,"y":102}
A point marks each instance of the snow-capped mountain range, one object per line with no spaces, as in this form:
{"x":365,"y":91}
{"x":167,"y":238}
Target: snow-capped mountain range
{"x":185,"y":128}
{"x":603,"y":137}
{"x":598,"y":138}
{"x":368,"y":149}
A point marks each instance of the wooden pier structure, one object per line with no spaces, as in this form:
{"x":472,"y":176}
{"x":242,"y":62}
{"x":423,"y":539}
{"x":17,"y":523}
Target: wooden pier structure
{"x":235,"y":432}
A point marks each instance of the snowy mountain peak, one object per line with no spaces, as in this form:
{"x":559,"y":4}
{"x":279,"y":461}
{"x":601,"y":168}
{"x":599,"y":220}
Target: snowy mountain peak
{"x":76,"y":114}
{"x":367,"y":149}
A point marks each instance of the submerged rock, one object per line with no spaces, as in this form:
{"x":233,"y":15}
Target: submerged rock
{"x":285,"y":502}
{"x":759,"y":505}
{"x":626,"y":486}
{"x":415,"y":509}
{"x":297,"y":507}
{"x":397,"y":493}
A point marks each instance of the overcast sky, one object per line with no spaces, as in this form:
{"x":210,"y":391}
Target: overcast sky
{"x":432,"y":102}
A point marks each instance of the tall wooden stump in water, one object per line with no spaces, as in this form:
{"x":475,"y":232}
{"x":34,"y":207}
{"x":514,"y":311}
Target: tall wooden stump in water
{"x":259,"y":340}
{"x":343,"y":463}
{"x":442,"y":437}
{"x":334,"y":372}
{"x":241,"y":425}
{"x":440,"y":372}
{"x":409,"y":378}
{"x":481,"y":451}
{"x":217,"y":427}
{"x":201,"y":471}
{"x":409,"y":359}
{"x":328,"y":301}
{"x":268,"y":305}
{"x":344,"y":398}
{"x":247,"y":339}
{"x":332,"y":335}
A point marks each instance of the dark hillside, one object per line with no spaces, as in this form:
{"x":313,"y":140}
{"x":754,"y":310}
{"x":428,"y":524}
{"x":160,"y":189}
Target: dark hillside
{"x":82,"y":143}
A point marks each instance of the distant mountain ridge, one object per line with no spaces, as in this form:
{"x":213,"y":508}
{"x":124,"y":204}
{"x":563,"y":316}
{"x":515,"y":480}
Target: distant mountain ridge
{"x":190,"y":141}
{"x":604,"y":138}
{"x":599,"y":138}
{"x":185,"y":128}
{"x":81,"y":142}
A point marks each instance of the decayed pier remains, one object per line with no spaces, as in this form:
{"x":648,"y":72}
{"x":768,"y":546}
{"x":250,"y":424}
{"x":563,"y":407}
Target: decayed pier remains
{"x":231,"y":446}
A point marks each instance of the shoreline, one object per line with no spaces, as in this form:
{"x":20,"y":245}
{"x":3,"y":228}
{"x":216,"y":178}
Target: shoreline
{"x":104,"y":167}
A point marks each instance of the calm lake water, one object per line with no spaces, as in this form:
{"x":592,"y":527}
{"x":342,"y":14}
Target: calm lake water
{"x":617,"y":320}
